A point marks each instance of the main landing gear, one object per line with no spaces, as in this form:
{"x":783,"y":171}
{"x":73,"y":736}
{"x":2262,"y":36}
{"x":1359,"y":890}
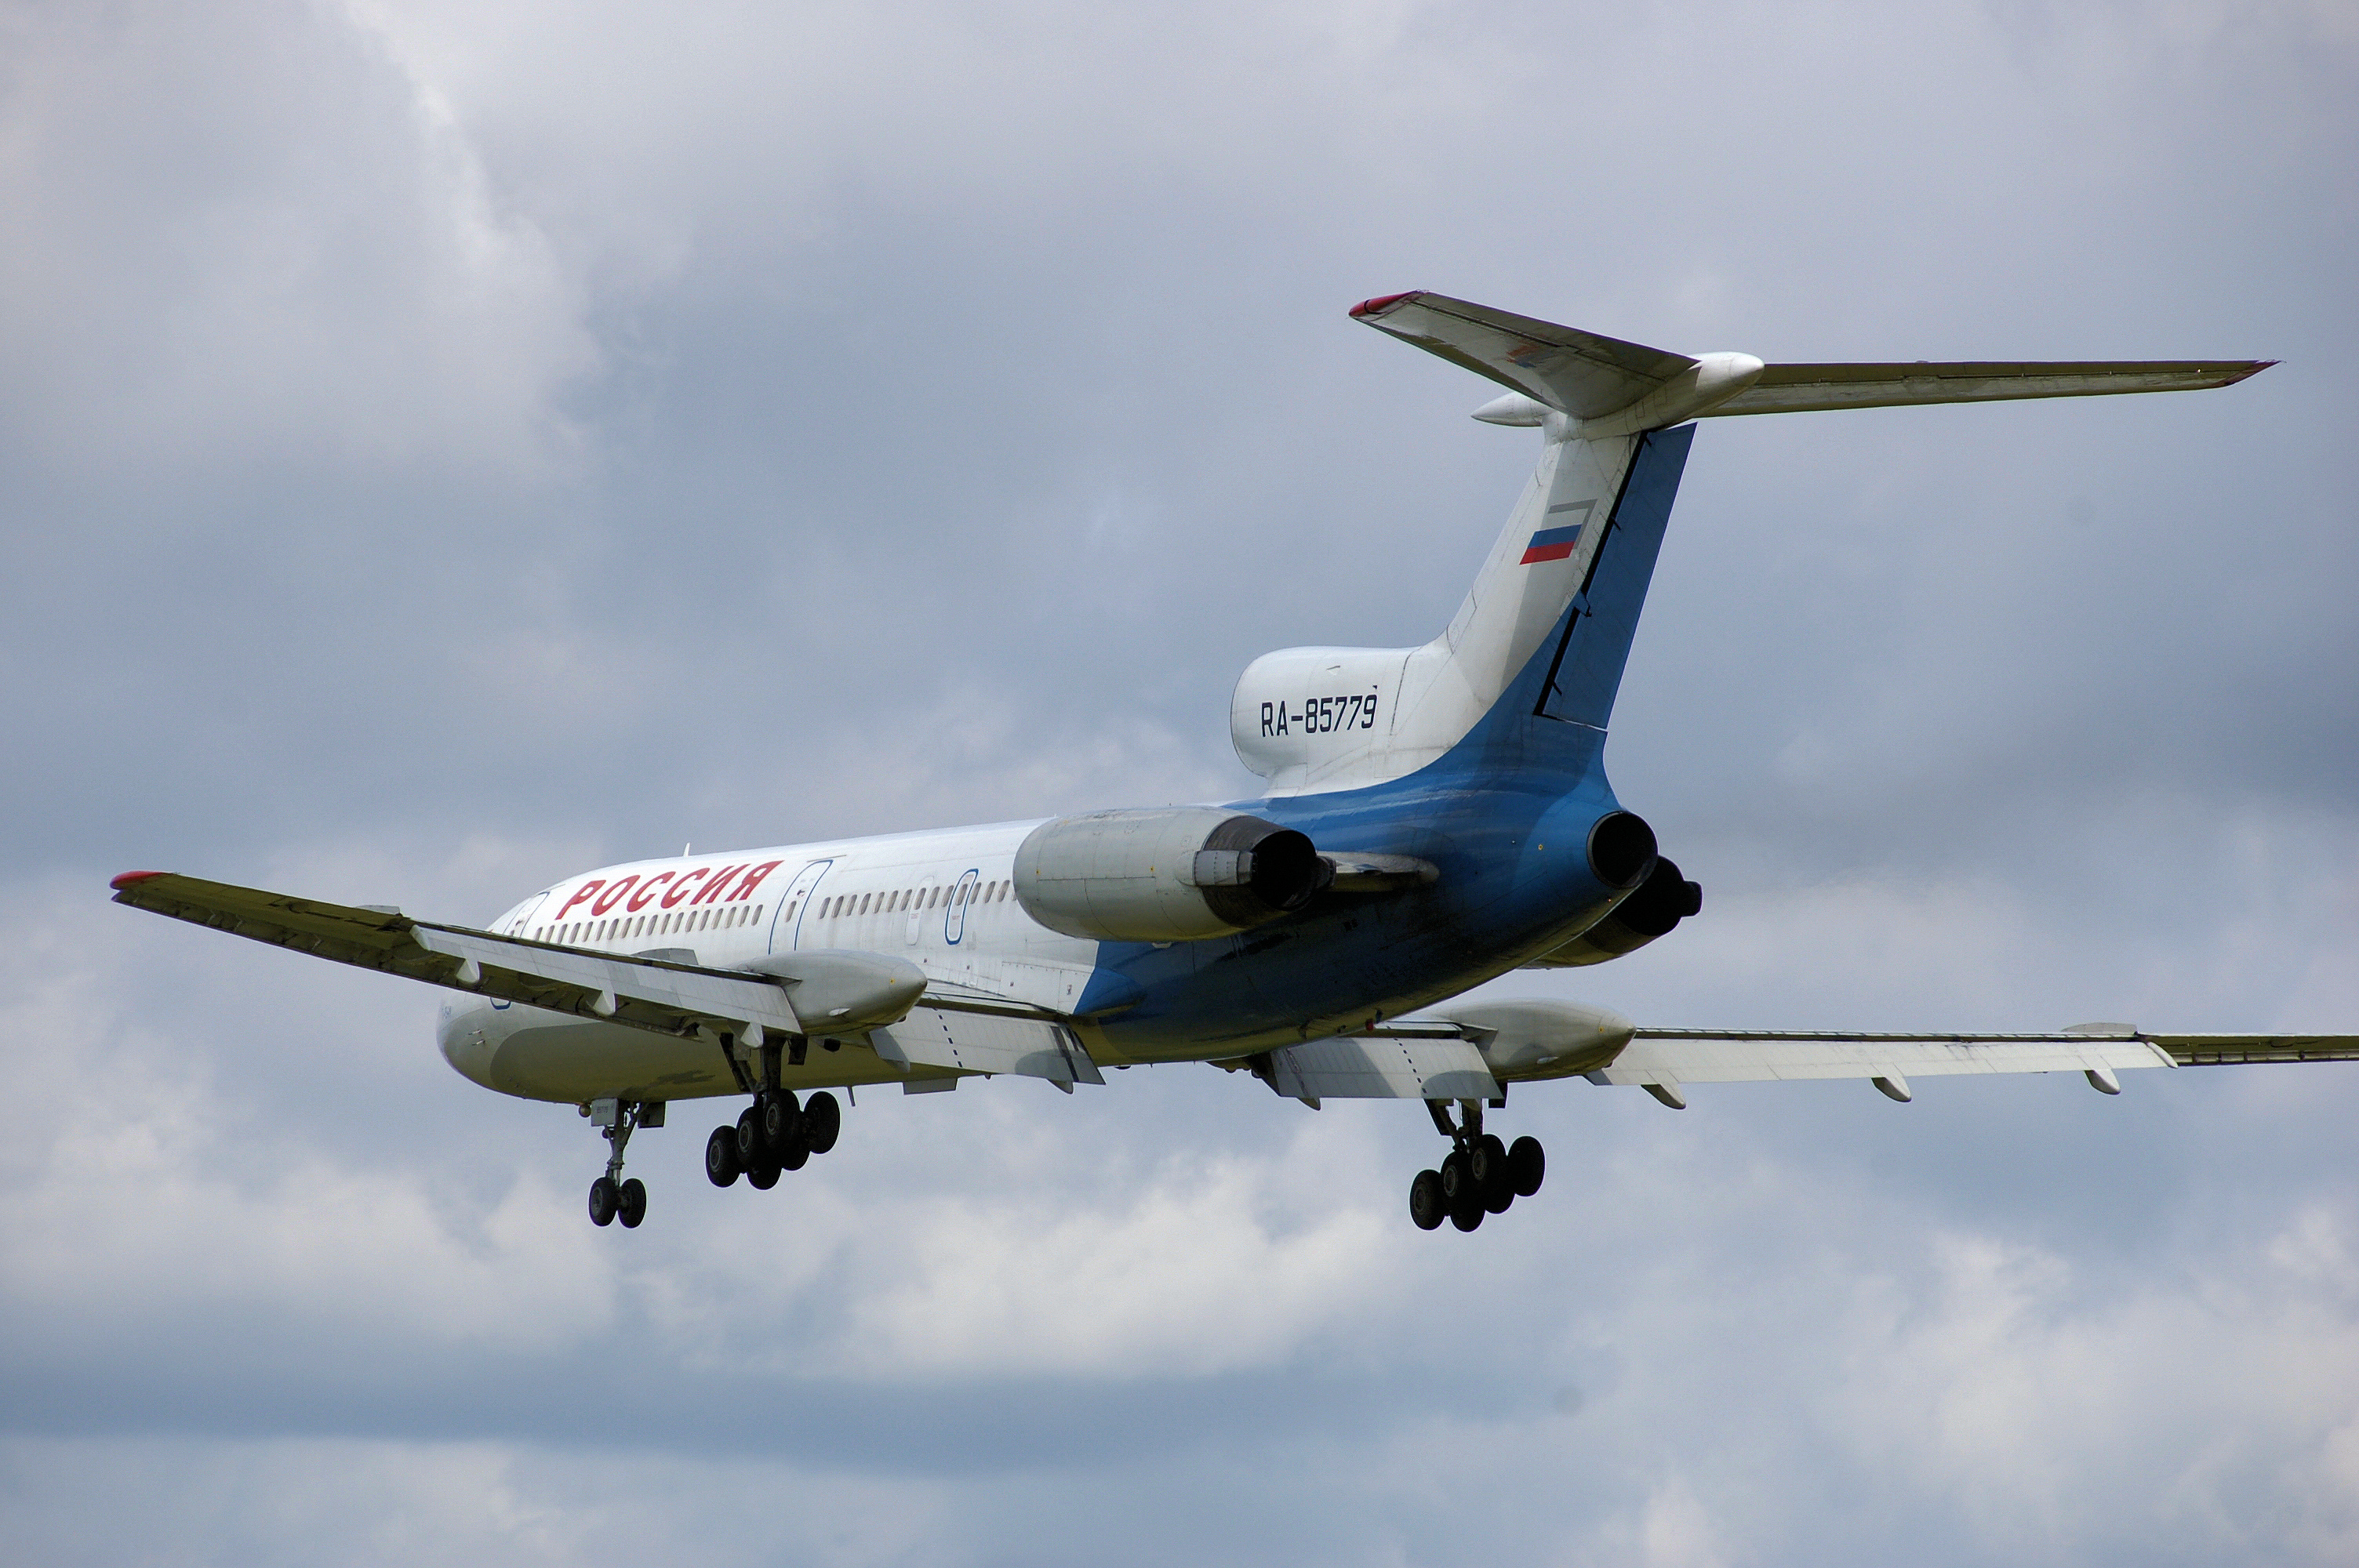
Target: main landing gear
{"x":777,"y":1133}
{"x":612,"y":1198}
{"x":774,"y":1135}
{"x":1481,"y":1175}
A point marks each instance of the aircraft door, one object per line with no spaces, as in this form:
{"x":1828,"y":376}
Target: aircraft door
{"x":787,"y":924}
{"x":955,"y":912}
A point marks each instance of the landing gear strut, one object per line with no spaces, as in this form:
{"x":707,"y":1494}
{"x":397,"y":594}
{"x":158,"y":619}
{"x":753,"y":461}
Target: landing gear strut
{"x":610,"y":1197}
{"x":1480,"y":1175}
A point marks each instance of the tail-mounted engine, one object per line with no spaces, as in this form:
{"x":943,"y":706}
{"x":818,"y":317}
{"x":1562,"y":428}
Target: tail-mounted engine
{"x":1171,"y":875}
{"x":1662,"y":902}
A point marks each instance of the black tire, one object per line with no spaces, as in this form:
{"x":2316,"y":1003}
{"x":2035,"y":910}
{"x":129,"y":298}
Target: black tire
{"x":1454,"y":1179}
{"x":604,"y":1200}
{"x":1527,"y":1164}
{"x":631,"y":1204}
{"x":822,"y":1122}
{"x":762,"y":1175}
{"x":797,"y":1155}
{"x":1467,"y":1212}
{"x":721,"y":1166}
{"x":1486,"y":1160}
{"x":1426,"y":1206}
{"x":782,"y":1121}
{"x":749,"y":1136}
{"x":1501,"y":1193}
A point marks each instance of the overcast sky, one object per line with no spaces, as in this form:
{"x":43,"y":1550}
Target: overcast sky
{"x":446,"y":446}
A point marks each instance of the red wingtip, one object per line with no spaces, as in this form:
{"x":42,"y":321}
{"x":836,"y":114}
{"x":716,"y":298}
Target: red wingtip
{"x":128,"y":878}
{"x":1382,"y":303}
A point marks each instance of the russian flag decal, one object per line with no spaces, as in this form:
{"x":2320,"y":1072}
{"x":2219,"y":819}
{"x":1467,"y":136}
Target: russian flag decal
{"x":1552,"y":545}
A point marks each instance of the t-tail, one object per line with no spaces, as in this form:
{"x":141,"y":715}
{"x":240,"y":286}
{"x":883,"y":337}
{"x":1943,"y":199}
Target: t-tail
{"x":1546,"y":630}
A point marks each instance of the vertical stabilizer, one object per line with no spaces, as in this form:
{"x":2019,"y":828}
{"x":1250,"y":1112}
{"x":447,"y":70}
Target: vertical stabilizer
{"x":1558,"y":596}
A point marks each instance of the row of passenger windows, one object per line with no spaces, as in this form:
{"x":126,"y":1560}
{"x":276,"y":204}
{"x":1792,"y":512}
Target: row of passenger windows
{"x":910,"y":899}
{"x":622,"y":927}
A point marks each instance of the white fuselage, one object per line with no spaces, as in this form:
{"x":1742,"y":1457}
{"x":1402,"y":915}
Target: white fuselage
{"x":941,"y":899}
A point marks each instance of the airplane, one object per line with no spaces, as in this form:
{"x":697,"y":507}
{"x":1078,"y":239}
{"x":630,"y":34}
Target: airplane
{"x":1432,"y":818}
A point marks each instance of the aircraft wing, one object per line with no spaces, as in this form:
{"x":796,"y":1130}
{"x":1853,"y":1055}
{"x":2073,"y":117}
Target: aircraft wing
{"x":1804,"y":388}
{"x":1660,"y":1060}
{"x":646,"y":993}
{"x":966,"y":1034}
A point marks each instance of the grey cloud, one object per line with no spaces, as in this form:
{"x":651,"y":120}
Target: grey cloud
{"x":448,"y":446}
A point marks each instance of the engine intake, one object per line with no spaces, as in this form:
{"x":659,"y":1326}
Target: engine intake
{"x":1621,"y":846}
{"x":1177,"y":874}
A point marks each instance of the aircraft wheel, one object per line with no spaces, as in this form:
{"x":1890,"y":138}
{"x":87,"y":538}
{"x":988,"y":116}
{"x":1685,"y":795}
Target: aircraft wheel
{"x":1487,"y":1160}
{"x":1466,"y":1211}
{"x":822,"y":1120}
{"x":1499,"y":1193}
{"x":1426,"y":1206}
{"x":604,"y":1200}
{"x":1455,"y":1182}
{"x":631,"y":1204}
{"x":762,"y":1175}
{"x":782,"y":1121}
{"x":749,"y":1136}
{"x":794,"y":1157}
{"x":721,"y":1162}
{"x":1526,"y":1165}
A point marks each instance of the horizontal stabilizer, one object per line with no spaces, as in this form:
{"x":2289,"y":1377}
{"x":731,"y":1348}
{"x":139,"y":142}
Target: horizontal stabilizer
{"x":1798,"y":389}
{"x":1585,"y":375}
{"x":1617,"y":388}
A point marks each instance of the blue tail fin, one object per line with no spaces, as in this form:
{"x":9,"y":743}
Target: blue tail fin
{"x":1586,"y":670}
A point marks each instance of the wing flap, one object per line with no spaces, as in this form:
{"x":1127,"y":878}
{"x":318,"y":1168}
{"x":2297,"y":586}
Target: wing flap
{"x":1389,"y":1067}
{"x":1805,"y":388}
{"x":972,"y":1042}
{"x":2222,"y":1050}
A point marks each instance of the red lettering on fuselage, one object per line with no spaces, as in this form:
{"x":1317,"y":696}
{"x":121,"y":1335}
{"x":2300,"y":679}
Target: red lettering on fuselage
{"x":687,"y":880}
{"x":648,"y":891}
{"x":753,"y":879}
{"x":588,"y":888}
{"x":611,"y":896}
{"x":714,"y":891}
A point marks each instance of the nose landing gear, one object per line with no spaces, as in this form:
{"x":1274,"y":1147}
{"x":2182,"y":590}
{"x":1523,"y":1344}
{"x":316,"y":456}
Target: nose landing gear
{"x":612,"y":1197}
{"x":1480,"y":1175}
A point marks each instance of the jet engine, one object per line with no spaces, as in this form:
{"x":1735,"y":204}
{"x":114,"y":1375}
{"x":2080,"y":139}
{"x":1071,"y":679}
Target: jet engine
{"x":1662,"y":902}
{"x":1175,"y":874}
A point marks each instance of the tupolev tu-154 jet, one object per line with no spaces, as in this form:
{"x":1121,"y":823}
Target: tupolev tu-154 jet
{"x":1432,"y":818}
